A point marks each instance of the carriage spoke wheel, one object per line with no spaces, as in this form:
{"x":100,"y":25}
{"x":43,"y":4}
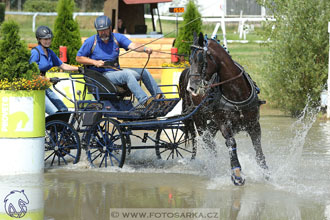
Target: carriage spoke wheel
{"x":172,"y":143}
{"x":106,"y":144}
{"x":62,"y":144}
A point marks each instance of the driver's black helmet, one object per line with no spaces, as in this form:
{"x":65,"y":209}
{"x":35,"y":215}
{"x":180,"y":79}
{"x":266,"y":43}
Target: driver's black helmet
{"x":102,"y":23}
{"x":44,"y":32}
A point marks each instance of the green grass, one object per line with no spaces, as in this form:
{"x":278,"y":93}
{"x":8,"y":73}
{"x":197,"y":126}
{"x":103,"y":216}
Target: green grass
{"x":86,"y":25}
{"x":251,"y":56}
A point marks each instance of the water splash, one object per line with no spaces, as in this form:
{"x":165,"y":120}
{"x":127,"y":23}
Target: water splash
{"x":285,"y":163}
{"x":288,"y":174}
{"x":327,"y":211}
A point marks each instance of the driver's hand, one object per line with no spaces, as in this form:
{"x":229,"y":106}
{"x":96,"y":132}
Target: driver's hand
{"x":148,"y":50}
{"x":54,"y":80}
{"x":81,"y":70}
{"x":98,"y":63}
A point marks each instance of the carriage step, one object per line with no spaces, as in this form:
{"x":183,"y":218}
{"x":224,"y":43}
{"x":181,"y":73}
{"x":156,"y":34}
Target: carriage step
{"x":261,"y":102}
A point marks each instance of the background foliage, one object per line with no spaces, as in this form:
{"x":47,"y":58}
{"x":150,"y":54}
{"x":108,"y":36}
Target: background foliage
{"x":192,"y":22}
{"x":2,"y":11}
{"x":15,"y":71}
{"x":14,"y":54}
{"x":40,"y":6}
{"x":50,"y":5}
{"x":66,"y":31}
{"x":296,"y":68}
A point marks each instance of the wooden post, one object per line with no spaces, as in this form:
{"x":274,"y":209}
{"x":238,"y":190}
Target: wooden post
{"x":110,"y":7}
{"x":7,"y":5}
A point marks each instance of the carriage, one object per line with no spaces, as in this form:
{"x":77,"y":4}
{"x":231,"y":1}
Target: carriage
{"x":109,"y":126}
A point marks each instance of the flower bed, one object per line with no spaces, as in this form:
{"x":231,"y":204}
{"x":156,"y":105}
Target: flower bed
{"x":37,"y":83}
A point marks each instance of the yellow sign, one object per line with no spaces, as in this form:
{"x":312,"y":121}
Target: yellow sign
{"x":176,"y":10}
{"x":170,"y":77}
{"x":65,"y":86}
{"x":22,"y":113}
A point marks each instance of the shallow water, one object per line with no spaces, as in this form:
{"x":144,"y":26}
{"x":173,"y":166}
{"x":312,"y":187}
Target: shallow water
{"x":297,"y":152}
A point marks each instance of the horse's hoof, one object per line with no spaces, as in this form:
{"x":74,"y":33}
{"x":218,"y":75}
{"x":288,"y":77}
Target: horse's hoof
{"x":265,"y":171}
{"x":266,"y":175}
{"x":237,"y":178}
{"x":238,"y":181}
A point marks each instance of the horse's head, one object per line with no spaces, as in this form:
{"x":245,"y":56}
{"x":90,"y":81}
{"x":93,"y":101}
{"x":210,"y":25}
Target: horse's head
{"x":202,"y":65}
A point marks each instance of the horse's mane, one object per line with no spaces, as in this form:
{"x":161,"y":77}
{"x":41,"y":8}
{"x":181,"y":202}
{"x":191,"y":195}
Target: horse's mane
{"x":221,"y":47}
{"x":232,"y":66}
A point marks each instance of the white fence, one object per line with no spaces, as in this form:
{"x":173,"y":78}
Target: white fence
{"x":35,"y":14}
{"x":242,"y":21}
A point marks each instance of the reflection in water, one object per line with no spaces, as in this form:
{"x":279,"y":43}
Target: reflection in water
{"x":91,"y":198}
{"x":21,"y":197}
{"x":296,"y":152}
{"x":84,"y":195}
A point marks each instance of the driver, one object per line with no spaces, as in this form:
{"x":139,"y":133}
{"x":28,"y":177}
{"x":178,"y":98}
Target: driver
{"x":104,"y":47}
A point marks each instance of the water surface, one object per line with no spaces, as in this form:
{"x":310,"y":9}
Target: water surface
{"x":297,"y":152}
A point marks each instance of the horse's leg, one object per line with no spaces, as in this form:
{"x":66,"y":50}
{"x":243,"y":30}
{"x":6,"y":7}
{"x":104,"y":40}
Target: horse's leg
{"x":189,"y":128}
{"x":236,"y":176}
{"x":255,"y":134}
{"x":206,"y":130}
{"x":208,"y":136}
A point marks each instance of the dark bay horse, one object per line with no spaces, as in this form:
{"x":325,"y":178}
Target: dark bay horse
{"x":232,"y":103}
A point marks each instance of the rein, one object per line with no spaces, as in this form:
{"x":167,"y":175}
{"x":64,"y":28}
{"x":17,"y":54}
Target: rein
{"x":164,"y":37}
{"x":144,"y":69}
{"x":226,"y":81}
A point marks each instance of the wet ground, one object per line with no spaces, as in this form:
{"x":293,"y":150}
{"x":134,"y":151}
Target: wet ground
{"x":298,"y":156}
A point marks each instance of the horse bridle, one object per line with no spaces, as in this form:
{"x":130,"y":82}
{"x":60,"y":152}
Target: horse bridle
{"x":206,"y":53}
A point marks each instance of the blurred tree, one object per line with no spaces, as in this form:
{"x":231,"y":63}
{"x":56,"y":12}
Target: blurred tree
{"x":192,"y":22}
{"x":2,"y":12}
{"x":66,"y":31}
{"x":14,"y":54}
{"x":7,"y":5}
{"x":90,"y":5}
{"x":40,"y":5}
{"x":296,"y":69}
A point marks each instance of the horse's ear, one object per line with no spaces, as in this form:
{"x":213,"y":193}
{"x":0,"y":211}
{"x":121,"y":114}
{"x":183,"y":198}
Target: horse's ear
{"x":201,"y":39}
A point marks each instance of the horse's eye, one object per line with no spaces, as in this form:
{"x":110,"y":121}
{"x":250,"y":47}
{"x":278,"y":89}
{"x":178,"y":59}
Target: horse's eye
{"x":200,"y":58}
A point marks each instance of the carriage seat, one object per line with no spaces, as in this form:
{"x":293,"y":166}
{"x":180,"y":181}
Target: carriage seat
{"x":106,"y":88}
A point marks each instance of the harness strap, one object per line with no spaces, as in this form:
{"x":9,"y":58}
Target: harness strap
{"x":42,"y":73}
{"x":95,"y":42}
{"x":35,"y":48}
{"x":115,"y":40}
{"x":226,"y":81}
{"x":109,"y":64}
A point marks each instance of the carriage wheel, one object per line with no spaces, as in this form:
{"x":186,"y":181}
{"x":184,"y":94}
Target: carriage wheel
{"x":62,"y":144}
{"x":172,"y":143}
{"x":106,"y":144}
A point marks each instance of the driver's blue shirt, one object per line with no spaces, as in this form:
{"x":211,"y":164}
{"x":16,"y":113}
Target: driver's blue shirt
{"x":44,"y":62}
{"x":103,"y":51}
